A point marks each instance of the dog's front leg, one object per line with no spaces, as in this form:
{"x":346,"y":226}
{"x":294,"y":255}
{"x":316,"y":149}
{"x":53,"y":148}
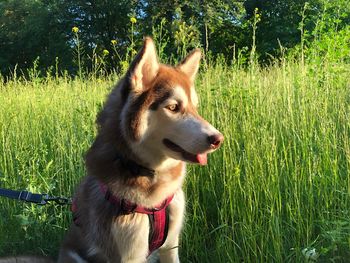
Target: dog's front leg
{"x":168,"y":253}
{"x":129,"y":235}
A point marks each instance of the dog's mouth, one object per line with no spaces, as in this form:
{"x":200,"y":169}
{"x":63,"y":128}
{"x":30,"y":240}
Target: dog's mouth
{"x":200,"y":158}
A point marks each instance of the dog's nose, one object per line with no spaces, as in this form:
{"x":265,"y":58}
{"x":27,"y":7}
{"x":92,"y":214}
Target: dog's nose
{"x":215,"y":140}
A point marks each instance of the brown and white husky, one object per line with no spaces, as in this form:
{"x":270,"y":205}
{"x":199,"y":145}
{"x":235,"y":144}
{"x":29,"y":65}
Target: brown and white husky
{"x":148,"y":129}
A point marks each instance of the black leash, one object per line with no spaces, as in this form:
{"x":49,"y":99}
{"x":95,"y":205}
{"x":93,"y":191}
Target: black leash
{"x":40,"y":199}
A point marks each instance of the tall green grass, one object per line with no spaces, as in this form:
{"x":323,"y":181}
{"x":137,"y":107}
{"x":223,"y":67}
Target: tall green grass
{"x":279,"y":184}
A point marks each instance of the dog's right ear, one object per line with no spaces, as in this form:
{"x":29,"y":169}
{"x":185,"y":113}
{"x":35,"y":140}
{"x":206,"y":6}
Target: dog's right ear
{"x":190,"y":64}
{"x":145,"y":66}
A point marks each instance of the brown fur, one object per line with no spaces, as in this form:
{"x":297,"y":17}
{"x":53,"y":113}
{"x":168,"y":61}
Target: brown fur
{"x":99,"y":159}
{"x":138,"y":124}
{"x":93,"y":210}
{"x":157,"y":91}
{"x":101,"y":235}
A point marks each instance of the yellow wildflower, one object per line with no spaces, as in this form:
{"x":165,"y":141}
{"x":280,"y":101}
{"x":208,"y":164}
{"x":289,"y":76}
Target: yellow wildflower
{"x":113,"y":42}
{"x":75,"y":29}
{"x":133,"y":20}
{"x":105,"y":52}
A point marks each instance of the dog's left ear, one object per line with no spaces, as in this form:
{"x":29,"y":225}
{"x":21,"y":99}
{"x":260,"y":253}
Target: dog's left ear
{"x":145,"y":66}
{"x":190,"y":64}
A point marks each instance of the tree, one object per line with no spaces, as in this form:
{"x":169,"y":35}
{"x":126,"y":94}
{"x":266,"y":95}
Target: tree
{"x":31,"y":29}
{"x":281,"y":20}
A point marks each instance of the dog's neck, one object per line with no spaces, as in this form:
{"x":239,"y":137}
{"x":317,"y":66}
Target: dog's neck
{"x":149,"y":168}
{"x":145,"y":189}
{"x":148,"y":189}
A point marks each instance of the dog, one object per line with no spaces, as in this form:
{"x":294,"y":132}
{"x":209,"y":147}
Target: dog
{"x":130,"y":206}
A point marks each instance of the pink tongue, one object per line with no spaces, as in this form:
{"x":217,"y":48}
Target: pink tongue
{"x":202,"y":158}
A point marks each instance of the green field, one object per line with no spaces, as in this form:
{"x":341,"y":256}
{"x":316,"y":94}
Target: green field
{"x":279,"y":184}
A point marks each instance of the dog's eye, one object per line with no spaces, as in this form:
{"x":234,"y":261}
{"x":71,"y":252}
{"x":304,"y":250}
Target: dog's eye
{"x":173,"y":107}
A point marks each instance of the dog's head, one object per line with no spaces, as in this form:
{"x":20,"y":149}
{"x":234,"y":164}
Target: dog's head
{"x":159,"y":118}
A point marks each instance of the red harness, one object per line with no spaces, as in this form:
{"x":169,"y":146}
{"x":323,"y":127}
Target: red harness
{"x":158,"y":216}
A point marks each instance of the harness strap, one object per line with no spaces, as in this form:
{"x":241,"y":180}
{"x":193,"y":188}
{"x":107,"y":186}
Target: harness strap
{"x":128,"y":207}
{"x":159,"y":225}
{"x":158,"y":216}
{"x":74,"y":210}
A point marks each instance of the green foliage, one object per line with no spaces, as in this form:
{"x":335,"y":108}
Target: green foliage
{"x":279,"y":23}
{"x":276,"y":191}
{"x":42,"y":143}
{"x":31,"y":29}
{"x":330,"y":40}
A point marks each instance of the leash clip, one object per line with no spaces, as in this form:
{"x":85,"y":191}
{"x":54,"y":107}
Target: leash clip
{"x":56,"y":199}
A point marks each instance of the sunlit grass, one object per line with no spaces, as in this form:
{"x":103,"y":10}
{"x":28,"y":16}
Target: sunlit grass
{"x":279,"y":184}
